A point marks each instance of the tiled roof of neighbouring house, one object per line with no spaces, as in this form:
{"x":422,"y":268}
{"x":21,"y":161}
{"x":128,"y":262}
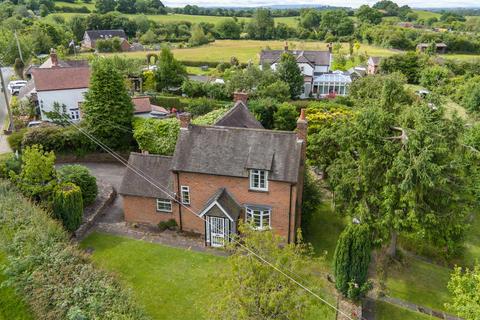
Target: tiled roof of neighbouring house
{"x":232,"y":151}
{"x":141,"y":104}
{"x":239,"y":116}
{"x":314,"y":57}
{"x":47,"y":79}
{"x":156,"y":167}
{"x":106,"y":34}
{"x":375,"y":60}
{"x":64,"y":63}
{"x":226,"y":201}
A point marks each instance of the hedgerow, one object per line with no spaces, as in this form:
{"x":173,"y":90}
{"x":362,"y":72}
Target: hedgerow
{"x":53,"y":275}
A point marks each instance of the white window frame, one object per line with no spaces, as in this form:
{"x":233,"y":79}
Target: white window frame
{"x":258,"y":173}
{"x":185,"y":194}
{"x":74,"y":114}
{"x":164,"y":202}
{"x":262,"y":213}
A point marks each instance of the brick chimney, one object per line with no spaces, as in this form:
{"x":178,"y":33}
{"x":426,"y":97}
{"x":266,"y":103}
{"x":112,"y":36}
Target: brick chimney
{"x":285,"y":47}
{"x":185,"y":118}
{"x":302,"y":127}
{"x":240,"y":96}
{"x":330,"y":47}
{"x":53,"y":57}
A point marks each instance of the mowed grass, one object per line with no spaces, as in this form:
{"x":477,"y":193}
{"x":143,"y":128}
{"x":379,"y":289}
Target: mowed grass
{"x":387,"y":311}
{"x":90,"y":6}
{"x":419,"y":282}
{"x":12,"y":307}
{"x":323,"y":231}
{"x":423,"y":14}
{"x":170,"y":283}
{"x":471,"y":255}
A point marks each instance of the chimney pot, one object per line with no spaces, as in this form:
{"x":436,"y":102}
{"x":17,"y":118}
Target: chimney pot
{"x":330,"y":47}
{"x":240,"y":96}
{"x":286,"y":46}
{"x":185,"y":118}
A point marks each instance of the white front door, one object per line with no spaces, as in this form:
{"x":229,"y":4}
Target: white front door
{"x":217,"y":231}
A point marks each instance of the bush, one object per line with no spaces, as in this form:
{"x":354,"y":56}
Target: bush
{"x":68,"y":205}
{"x":285,"y":118}
{"x":9,"y":162}
{"x":210,"y":118}
{"x":169,"y":102}
{"x":59,"y":139}
{"x":169,"y":224}
{"x":15,"y":139}
{"x":201,"y":106}
{"x":156,"y":136}
{"x":80,"y":176}
{"x":311,"y":197}
{"x":54,"y":277}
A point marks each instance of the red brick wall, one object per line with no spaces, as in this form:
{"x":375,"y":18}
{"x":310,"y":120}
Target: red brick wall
{"x":203,"y":186}
{"x":144,"y":210}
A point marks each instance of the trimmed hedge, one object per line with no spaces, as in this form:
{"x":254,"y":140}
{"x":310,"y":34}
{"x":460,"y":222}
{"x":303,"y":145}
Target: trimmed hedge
{"x":55,"y":278}
{"x":68,"y":205}
{"x":59,"y":139}
{"x":80,"y":176}
{"x":169,"y":102}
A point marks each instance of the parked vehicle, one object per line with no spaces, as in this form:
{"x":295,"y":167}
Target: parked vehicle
{"x":15,"y":86}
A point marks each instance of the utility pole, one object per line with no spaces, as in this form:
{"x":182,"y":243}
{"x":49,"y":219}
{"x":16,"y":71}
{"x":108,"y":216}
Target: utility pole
{"x":18,"y":46}
{"x":4,"y":89}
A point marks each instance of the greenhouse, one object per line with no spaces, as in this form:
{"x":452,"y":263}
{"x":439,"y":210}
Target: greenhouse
{"x":335,"y":83}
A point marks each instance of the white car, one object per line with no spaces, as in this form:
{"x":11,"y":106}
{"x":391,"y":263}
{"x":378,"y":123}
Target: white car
{"x":15,"y":86}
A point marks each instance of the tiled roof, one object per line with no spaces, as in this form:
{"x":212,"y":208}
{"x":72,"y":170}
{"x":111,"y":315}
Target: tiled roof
{"x":141,"y":104}
{"x":105,"y":34}
{"x":228,"y":203}
{"x":154,"y":166}
{"x":314,"y":57}
{"x":239,"y":116}
{"x":229,"y":151}
{"x":47,"y":79}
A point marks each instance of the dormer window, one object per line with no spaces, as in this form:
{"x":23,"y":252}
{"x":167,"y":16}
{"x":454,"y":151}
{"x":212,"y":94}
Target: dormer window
{"x":259,"y":180}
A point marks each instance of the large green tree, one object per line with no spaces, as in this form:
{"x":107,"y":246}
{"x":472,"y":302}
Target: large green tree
{"x":170,"y":72}
{"x":289,"y":72}
{"x":251,"y":289}
{"x":368,"y":15}
{"x":400,"y":166}
{"x":108,"y":109}
{"x":261,"y":26}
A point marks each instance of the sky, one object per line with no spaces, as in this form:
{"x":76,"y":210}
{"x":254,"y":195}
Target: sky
{"x":351,"y":3}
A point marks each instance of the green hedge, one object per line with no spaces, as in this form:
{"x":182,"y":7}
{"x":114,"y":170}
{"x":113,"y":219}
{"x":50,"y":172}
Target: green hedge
{"x":54,"y":277}
{"x":59,"y":139}
{"x":80,"y":176}
{"x":169,"y":102}
{"x":68,"y":205}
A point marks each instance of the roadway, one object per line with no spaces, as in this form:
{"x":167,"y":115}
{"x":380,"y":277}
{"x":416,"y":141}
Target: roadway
{"x":4,"y":147}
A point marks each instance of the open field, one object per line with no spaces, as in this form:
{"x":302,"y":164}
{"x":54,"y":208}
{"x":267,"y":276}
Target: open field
{"x":90,"y":6}
{"x":170,"y":283}
{"x":12,"y":306}
{"x":423,"y":14}
{"x":387,"y":311}
{"x":249,"y":50}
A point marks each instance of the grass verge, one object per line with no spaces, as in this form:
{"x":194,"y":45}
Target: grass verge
{"x":387,"y":311}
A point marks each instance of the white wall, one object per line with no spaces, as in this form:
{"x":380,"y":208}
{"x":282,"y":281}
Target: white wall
{"x":70,"y":98}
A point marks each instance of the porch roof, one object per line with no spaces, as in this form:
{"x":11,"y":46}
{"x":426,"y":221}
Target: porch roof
{"x":227,"y":203}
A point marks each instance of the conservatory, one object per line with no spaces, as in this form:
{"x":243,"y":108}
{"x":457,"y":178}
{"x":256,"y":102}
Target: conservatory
{"x":335,"y":83}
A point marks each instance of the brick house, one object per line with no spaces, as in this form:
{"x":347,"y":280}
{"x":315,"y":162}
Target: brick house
{"x":225,"y":174}
{"x":91,"y":37}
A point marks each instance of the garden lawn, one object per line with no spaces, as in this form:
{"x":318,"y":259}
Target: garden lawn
{"x":323,"y":231}
{"x":471,"y":254}
{"x":387,"y":311}
{"x":170,"y":283}
{"x":12,"y":307}
{"x":419,"y":282}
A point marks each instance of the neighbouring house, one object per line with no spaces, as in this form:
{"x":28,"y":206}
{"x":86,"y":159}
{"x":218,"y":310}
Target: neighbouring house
{"x":144,"y":109}
{"x":357,"y":72}
{"x":90,"y":38}
{"x":232,"y":171}
{"x":373,"y":65}
{"x":440,"y":48}
{"x":312,"y":64}
{"x":62,"y":85}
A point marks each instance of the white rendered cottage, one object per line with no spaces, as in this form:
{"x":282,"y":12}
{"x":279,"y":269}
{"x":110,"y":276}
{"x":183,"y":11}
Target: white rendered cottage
{"x":62,"y":85}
